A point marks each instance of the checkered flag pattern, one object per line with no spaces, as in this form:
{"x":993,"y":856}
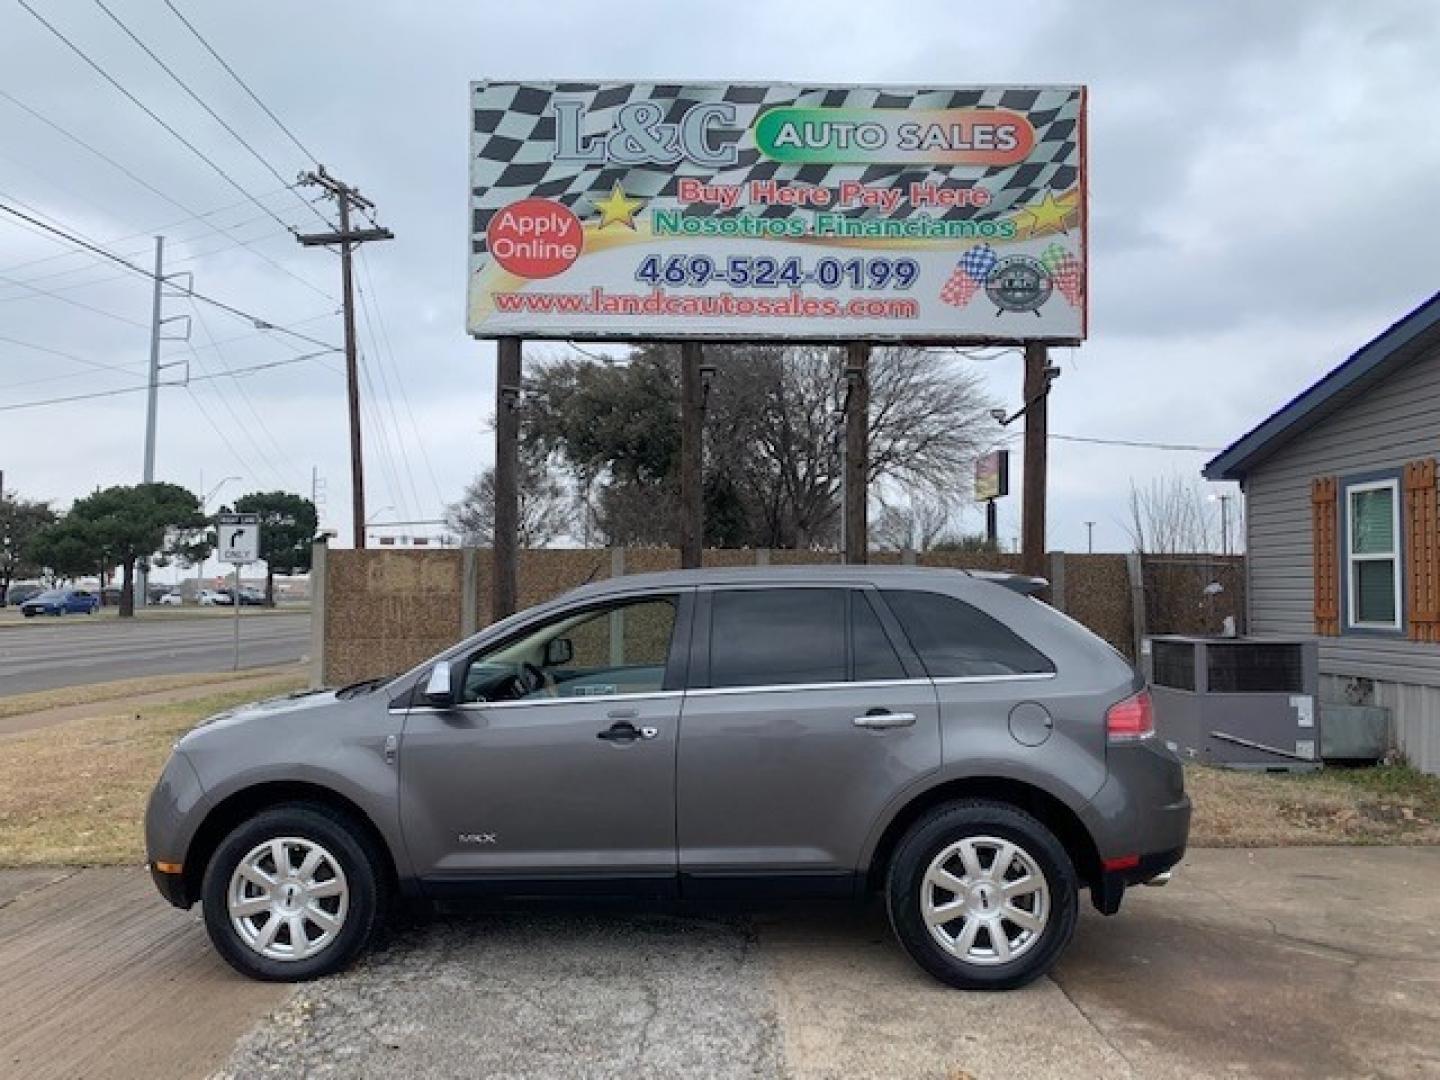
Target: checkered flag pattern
{"x":514,"y":129}
{"x":1065,"y":272}
{"x":970,"y":275}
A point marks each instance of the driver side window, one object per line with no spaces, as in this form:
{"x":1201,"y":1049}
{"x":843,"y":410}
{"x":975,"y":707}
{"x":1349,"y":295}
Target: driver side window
{"x":597,"y":652}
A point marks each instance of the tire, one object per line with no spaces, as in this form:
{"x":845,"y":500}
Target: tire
{"x":959,"y":839}
{"x":348,"y":888}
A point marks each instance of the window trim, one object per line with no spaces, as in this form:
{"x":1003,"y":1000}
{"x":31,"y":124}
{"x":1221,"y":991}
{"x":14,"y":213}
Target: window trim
{"x":1383,"y":481}
{"x":673,"y":679}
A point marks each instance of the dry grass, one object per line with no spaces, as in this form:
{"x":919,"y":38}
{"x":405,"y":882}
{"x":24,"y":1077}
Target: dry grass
{"x":118,"y":691}
{"x":75,"y":793}
{"x":1391,"y":804}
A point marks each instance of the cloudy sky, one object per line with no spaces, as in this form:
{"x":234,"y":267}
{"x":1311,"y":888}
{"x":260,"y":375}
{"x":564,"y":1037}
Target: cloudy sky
{"x":1261,"y":184}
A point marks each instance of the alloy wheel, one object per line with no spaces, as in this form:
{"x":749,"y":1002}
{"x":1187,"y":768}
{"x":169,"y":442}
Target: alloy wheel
{"x":288,"y":898}
{"x":985,"y":900}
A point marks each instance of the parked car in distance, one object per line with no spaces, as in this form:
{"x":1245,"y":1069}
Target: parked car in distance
{"x":61,"y":602}
{"x":938,"y":737}
{"x":213,"y":598}
{"x":250,"y":597}
{"x":171,"y":599}
{"x":18,"y":594}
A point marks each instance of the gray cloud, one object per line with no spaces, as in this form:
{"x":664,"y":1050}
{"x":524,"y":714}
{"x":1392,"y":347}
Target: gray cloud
{"x":1259,"y":191}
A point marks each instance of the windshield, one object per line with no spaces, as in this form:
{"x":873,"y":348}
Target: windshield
{"x":52,"y":594}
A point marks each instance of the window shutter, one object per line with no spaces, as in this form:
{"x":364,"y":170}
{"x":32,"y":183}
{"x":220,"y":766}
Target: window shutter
{"x":1422,"y":557}
{"x":1325,"y":516}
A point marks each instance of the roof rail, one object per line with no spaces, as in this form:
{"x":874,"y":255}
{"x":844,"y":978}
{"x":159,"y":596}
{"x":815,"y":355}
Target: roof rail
{"x":1024,"y":584}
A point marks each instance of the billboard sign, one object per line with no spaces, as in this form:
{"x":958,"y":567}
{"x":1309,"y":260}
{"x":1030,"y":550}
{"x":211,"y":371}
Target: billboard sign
{"x":992,"y":476}
{"x":780,"y":212}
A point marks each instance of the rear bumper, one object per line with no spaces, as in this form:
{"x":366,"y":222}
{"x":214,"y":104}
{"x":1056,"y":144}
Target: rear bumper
{"x":1107,"y":893}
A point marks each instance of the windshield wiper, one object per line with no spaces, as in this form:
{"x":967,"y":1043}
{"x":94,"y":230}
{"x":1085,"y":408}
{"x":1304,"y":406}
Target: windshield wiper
{"x":364,"y":686}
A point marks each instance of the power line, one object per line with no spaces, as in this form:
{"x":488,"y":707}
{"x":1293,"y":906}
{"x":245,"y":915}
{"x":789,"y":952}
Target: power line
{"x":389,"y":399}
{"x":404,"y":393}
{"x":149,"y":111}
{"x":203,"y":104}
{"x":259,"y":323}
{"x":1137,"y":444}
{"x":190,"y":212}
{"x":244,"y":395}
{"x":230,"y":373}
{"x":243,"y":84}
{"x":95,"y":364}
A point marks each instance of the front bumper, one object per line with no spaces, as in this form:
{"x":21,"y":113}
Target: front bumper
{"x":171,"y":886}
{"x":170,"y":820}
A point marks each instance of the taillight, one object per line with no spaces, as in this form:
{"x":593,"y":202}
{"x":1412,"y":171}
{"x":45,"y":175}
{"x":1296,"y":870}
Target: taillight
{"x":1131,"y":719}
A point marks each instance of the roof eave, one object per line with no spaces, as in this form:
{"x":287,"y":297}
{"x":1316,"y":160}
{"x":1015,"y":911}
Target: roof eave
{"x":1399,"y":341}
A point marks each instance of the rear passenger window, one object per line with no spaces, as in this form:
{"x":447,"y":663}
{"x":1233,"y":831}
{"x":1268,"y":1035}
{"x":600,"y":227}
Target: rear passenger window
{"x":775,"y":637}
{"x":955,"y":639}
{"x":872,"y":655}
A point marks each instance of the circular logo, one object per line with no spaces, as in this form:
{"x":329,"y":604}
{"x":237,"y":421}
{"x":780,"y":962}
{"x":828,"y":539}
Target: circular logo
{"x":1019,"y":283}
{"x":535,"y":238}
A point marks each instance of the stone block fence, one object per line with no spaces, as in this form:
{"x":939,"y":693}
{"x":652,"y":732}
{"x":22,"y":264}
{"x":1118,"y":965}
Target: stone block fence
{"x":378,"y":611}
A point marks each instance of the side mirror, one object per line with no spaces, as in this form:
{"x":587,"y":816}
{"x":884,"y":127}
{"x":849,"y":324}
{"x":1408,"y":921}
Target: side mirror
{"x":438,"y":691}
{"x":558,"y":651}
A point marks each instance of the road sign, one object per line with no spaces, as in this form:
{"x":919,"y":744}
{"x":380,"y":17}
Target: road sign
{"x":239,"y":538}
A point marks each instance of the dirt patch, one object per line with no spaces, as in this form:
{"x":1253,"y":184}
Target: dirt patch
{"x":1390,"y":804}
{"x":75,"y":793}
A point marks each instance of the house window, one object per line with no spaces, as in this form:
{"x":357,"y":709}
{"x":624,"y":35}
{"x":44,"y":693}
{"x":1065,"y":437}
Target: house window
{"x":1372,"y":552}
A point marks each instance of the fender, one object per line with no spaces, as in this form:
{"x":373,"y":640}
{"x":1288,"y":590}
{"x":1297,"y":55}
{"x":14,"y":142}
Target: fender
{"x":972,"y":770}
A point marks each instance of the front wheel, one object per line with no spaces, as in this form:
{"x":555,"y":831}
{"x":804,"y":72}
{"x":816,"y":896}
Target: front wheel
{"x":292,"y":894}
{"x":982,"y":896}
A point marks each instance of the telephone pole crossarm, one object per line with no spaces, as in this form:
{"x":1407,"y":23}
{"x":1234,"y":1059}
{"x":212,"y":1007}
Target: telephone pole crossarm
{"x":355,"y":236}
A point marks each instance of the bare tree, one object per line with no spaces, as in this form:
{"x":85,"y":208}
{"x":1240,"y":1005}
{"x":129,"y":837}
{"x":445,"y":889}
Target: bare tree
{"x":918,"y":524}
{"x":774,"y":427}
{"x":1175,"y":514}
{"x":546,"y":509}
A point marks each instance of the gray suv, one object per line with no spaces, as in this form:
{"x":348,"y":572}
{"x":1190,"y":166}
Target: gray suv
{"x":940,"y":737}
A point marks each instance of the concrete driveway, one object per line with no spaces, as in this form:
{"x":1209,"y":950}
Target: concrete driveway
{"x":1278,"y":963}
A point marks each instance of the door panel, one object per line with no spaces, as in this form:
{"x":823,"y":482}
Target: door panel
{"x":772,"y":781}
{"x":774,"y":775}
{"x":560,"y":757}
{"x":530,"y":788}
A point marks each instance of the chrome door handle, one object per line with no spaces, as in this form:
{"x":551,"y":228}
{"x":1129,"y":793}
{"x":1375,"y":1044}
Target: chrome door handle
{"x":879,"y":719}
{"x":649,"y":732}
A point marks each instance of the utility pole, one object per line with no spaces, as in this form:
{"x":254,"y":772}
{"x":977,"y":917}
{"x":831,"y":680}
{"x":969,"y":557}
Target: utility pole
{"x":346,"y":198}
{"x":1224,"y":524}
{"x":692,"y":439}
{"x":857,"y":452}
{"x":1090,"y":538}
{"x":152,"y":402}
{"x":1032,"y":514}
{"x":505,"y":545}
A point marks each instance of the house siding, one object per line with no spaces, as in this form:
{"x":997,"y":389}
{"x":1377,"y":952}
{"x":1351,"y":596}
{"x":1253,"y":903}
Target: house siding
{"x":1393,"y":422}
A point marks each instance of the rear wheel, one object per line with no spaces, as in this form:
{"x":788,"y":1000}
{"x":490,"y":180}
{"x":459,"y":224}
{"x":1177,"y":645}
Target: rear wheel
{"x":982,"y":896}
{"x":292,"y":894}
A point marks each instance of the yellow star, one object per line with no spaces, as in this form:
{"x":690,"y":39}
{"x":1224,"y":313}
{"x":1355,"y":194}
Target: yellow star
{"x":617,"y":209}
{"x":1047,"y":215}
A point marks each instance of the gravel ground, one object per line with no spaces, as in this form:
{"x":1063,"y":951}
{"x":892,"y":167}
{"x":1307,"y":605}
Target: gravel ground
{"x":595,"y":996}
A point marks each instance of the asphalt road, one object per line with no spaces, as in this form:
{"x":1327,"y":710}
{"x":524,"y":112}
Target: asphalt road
{"x":45,"y":654}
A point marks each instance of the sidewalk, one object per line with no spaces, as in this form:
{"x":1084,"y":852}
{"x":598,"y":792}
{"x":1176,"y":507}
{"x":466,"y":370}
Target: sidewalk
{"x":100,"y":977}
